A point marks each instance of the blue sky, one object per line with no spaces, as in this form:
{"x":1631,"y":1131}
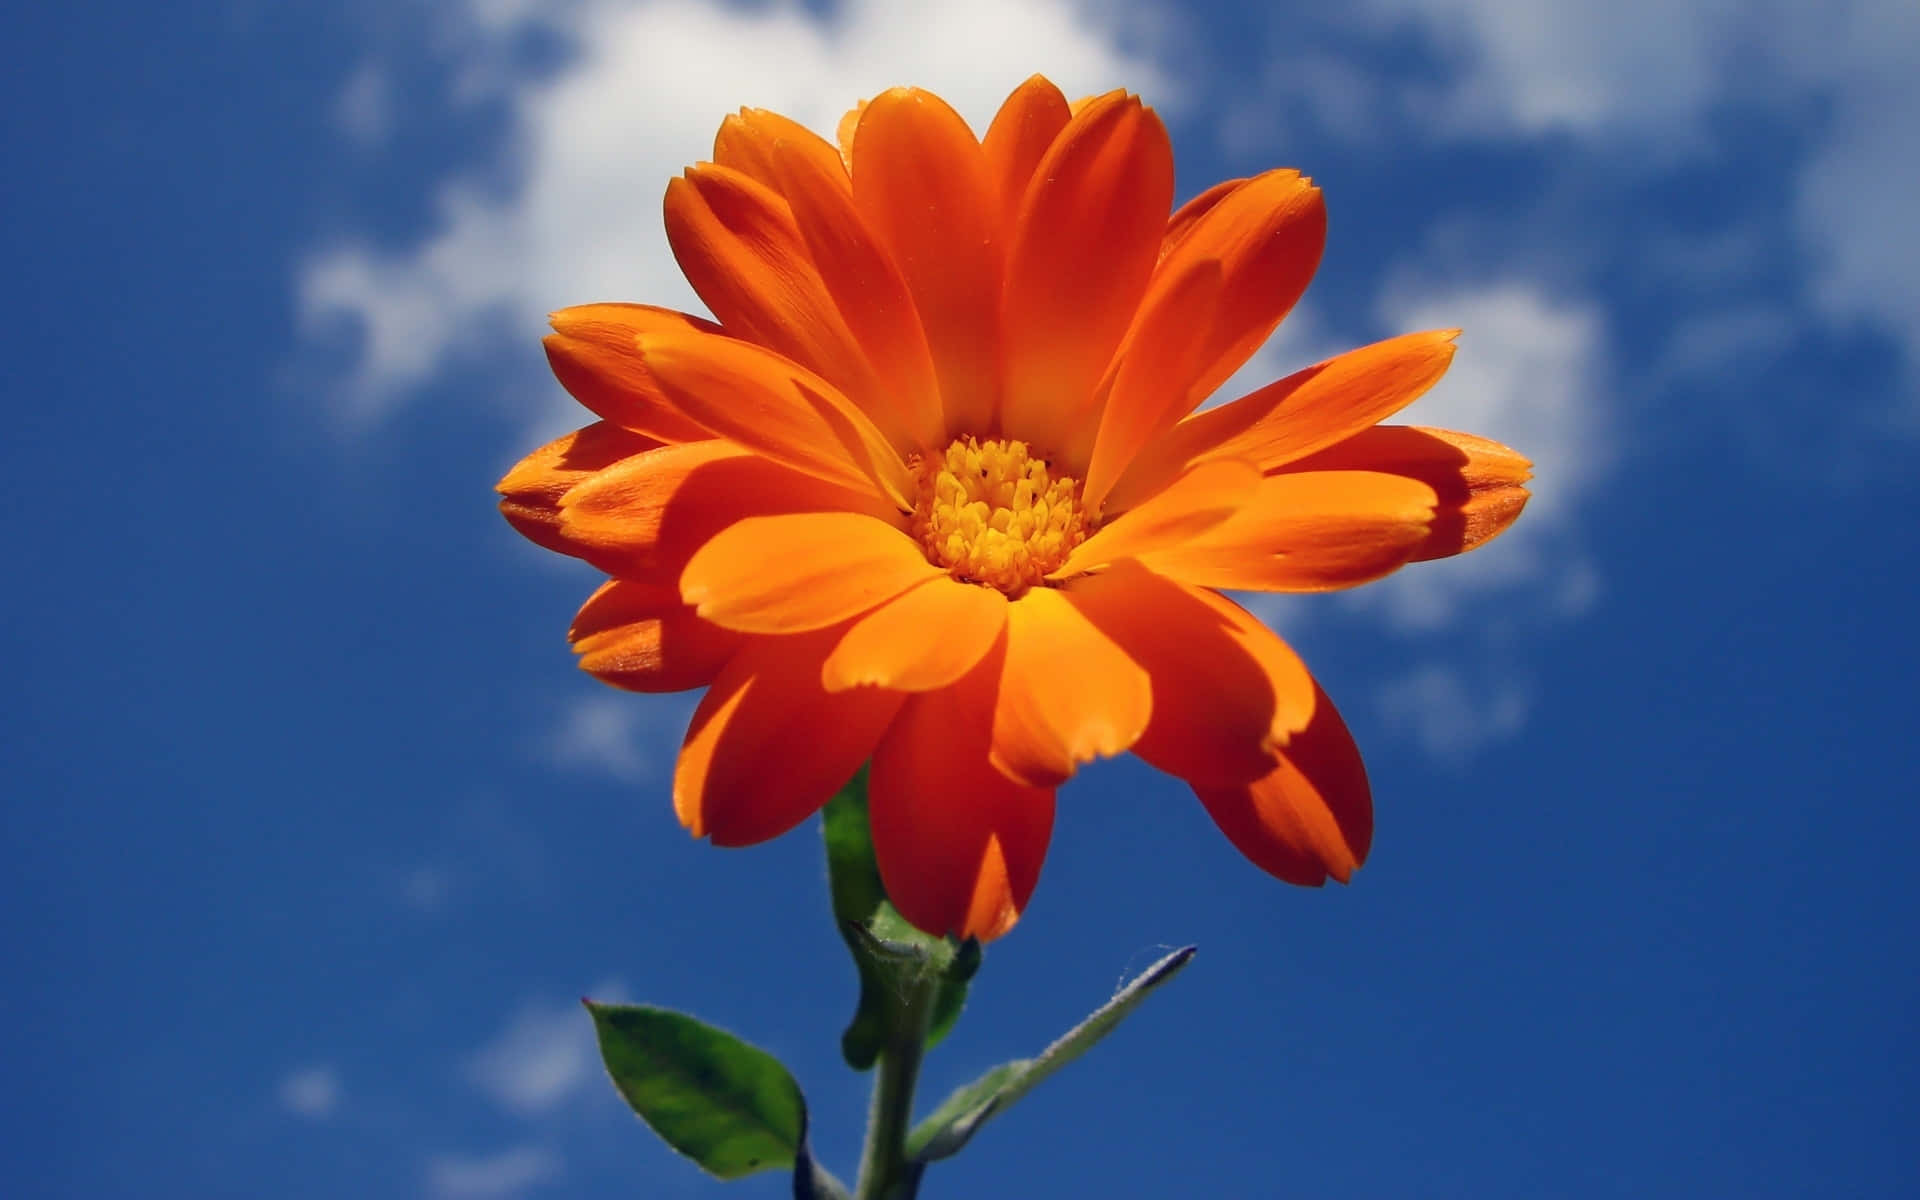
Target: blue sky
{"x":313,"y":834}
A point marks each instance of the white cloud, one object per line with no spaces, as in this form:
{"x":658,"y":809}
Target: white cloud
{"x":312,"y":1093}
{"x":426,"y":889}
{"x":1448,"y":715}
{"x":615,"y":734}
{"x":1641,"y":67}
{"x":543,"y":1057}
{"x":1855,"y":197}
{"x":491,"y":1176}
{"x":1643,"y":78}
{"x":364,"y":108}
{"x":592,"y":146}
{"x":1530,"y":372}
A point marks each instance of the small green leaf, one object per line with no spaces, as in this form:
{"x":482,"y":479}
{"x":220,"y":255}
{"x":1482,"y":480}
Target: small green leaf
{"x":961,"y":1114}
{"x":889,"y":953}
{"x":728,"y":1106}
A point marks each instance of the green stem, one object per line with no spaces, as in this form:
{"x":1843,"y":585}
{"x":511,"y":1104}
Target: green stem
{"x":885,"y":1173}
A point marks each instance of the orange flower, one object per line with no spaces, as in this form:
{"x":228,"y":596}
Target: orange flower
{"x":932,"y":493}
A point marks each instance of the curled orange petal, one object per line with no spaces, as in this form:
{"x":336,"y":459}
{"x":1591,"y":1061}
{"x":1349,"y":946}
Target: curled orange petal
{"x":530,"y":494}
{"x":1479,"y":485}
{"x":642,"y":637}
{"x":592,"y":354}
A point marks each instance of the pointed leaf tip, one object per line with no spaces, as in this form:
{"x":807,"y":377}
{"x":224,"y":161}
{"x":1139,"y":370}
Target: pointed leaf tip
{"x":729,"y":1106}
{"x":961,"y":1114}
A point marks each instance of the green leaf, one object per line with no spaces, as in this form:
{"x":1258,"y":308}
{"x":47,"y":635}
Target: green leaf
{"x":962,"y":1114}
{"x":728,"y":1106}
{"x":890,"y":954}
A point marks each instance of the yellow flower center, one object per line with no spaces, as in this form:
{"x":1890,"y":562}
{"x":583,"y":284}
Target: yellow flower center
{"x":992,"y":513}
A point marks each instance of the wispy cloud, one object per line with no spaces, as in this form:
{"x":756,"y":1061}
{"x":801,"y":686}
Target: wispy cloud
{"x":1531,"y":372}
{"x":1646,"y":85}
{"x":590,"y":147}
{"x":312,"y":1093}
{"x":426,"y":888}
{"x":541,"y":1058}
{"x":364,"y":108}
{"x":498,"y":1176}
{"x":1452,"y":715}
{"x":612,"y":733}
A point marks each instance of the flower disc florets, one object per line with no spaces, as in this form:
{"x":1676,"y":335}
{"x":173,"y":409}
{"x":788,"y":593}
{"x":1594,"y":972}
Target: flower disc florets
{"x":992,"y":513}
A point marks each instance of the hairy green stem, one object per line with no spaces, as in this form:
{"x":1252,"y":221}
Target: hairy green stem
{"x":885,"y":1173}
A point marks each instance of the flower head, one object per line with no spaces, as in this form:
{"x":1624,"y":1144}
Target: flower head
{"x":932,"y":490}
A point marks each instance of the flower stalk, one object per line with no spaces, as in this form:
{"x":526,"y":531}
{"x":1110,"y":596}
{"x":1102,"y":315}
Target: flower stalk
{"x":885,"y":1172}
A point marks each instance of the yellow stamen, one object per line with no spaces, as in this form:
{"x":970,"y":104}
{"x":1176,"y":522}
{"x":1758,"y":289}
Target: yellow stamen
{"x":992,"y":513}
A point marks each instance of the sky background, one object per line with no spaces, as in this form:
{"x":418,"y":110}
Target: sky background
{"x":313,"y":835}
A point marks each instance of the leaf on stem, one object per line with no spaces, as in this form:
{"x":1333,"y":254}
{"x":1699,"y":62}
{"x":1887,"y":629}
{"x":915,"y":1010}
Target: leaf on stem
{"x":962,"y":1114}
{"x":729,"y":1106}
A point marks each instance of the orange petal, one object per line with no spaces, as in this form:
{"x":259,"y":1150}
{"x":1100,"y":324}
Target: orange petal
{"x":593,"y":356}
{"x":921,"y":183}
{"x":1478,"y":482}
{"x":1311,"y":817}
{"x":1153,"y":379}
{"x":757,"y":399}
{"x":1083,"y":248}
{"x":1068,"y":693}
{"x":1267,"y":236}
{"x":768,"y":745}
{"x":800,"y":571}
{"x":1227,"y":693}
{"x":1181,"y":223}
{"x":639,"y":636}
{"x":530,"y":494}
{"x":1085,"y":102}
{"x":1305,"y":412}
{"x":1205,"y":496}
{"x":741,"y":249}
{"x":925,"y":638}
{"x":746,"y":142}
{"x":870,"y":293}
{"x":959,"y":845}
{"x":1311,"y":531}
{"x":1022,"y":130}
{"x":844,"y":130}
{"x":649,"y":513}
